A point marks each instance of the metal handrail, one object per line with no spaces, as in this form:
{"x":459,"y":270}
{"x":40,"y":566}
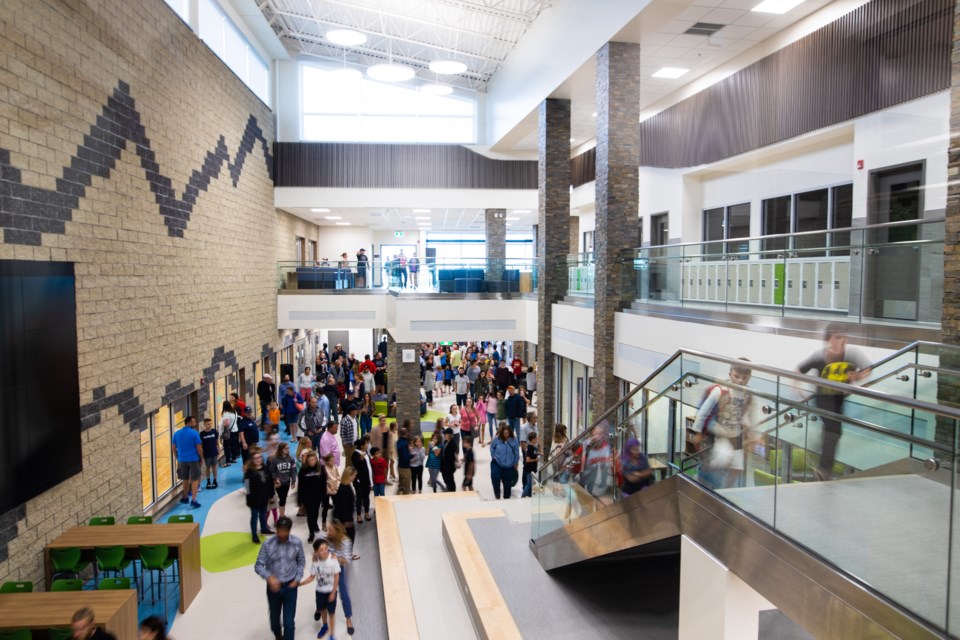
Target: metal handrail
{"x":879,"y":396}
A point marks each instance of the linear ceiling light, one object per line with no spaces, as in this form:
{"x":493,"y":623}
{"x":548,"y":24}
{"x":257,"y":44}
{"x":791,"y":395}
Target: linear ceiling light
{"x":436,"y":89}
{"x":670,"y":72}
{"x":331,"y":217}
{"x":423,"y":217}
{"x":320,"y":210}
{"x":447,"y":67}
{"x":343,"y":224}
{"x":391,"y":72}
{"x":776,"y":6}
{"x":346,"y":37}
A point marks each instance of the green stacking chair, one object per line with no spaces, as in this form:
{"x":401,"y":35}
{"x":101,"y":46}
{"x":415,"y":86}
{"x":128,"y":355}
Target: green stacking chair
{"x":67,"y":561}
{"x":140,"y":520}
{"x":102,"y":521}
{"x":60,"y":634}
{"x":19,"y":634}
{"x":155,"y":558}
{"x":114,"y":584}
{"x":111,"y":560}
{"x":66,"y":585}
{"x":16,"y":587}
{"x":187,"y":519}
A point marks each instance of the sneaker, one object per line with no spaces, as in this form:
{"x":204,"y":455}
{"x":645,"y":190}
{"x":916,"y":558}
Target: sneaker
{"x":256,"y":540}
{"x":195,"y":504}
{"x":323,"y":629}
{"x":268,"y":532}
{"x":310,"y":541}
{"x":184,"y":501}
{"x":216,"y":485}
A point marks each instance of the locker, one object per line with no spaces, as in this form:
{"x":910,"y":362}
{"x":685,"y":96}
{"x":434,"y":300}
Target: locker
{"x":841,"y":285}
{"x":701,"y":281}
{"x":792,"y":287}
{"x":743,"y":278}
{"x":808,"y":286}
{"x":753,"y":283}
{"x":824,"y":285}
{"x":711,"y":281}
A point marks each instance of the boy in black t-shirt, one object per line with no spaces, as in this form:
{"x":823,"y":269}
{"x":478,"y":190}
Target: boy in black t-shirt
{"x":468,"y":464}
{"x":211,"y":451}
{"x":530,"y":459}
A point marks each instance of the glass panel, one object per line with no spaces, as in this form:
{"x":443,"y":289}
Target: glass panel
{"x":162,"y":439}
{"x":842,"y":218}
{"x":713,"y":230}
{"x":146,"y":461}
{"x":810,"y":214}
{"x":776,"y":220}
{"x":738,"y":226}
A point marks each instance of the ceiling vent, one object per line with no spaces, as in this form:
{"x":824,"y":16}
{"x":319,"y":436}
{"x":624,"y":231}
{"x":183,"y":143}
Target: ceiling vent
{"x":704,"y":29}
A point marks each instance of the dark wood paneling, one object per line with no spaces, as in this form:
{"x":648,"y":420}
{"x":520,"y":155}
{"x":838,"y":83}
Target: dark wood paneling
{"x":583,"y":168}
{"x":395,"y":166}
{"x":884,"y":53}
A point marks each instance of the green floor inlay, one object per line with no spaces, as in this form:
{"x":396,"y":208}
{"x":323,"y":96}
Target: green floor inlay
{"x":227,"y":550}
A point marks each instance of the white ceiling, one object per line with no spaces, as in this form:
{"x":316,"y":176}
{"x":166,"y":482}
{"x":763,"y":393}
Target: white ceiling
{"x":465,"y":220}
{"x":479,"y":33}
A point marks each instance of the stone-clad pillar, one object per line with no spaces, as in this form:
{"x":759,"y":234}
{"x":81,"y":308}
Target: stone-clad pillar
{"x":553,"y":244}
{"x":495,"y":230}
{"x":617,"y":203}
{"x":404,"y":380}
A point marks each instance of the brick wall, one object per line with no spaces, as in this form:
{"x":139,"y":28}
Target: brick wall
{"x":129,"y":149}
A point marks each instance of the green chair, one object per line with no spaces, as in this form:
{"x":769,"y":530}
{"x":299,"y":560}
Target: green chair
{"x":114,"y":584}
{"x":67,"y":561}
{"x":102,"y":521}
{"x":66,"y":585}
{"x":764,"y":479}
{"x":140,"y":520}
{"x":155,"y":558}
{"x":60,"y":634}
{"x":19,"y":634}
{"x":188,"y":519}
{"x":16,"y":587}
{"x":111,"y":560}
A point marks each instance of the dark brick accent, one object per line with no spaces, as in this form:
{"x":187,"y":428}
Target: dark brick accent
{"x":8,"y":528}
{"x":553,"y":245}
{"x":26,"y":212}
{"x":617,"y":204}
{"x":403,"y":378}
{"x":495,"y":232}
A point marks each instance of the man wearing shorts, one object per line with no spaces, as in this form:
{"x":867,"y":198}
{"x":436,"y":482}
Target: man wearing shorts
{"x":189,"y":451}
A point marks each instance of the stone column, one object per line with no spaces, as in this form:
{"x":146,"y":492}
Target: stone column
{"x":404,"y":380}
{"x":948,"y":386}
{"x":617,"y":203}
{"x":553,"y":244}
{"x":574,"y":234}
{"x":495,"y":230}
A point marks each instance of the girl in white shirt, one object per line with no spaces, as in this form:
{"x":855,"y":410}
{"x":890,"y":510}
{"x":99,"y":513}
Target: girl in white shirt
{"x":306,"y":384}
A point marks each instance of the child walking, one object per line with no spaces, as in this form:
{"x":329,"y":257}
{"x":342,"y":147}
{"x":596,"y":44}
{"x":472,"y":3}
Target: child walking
{"x":433,"y":463}
{"x":417,"y":457}
{"x":325,"y":570}
{"x":379,"y":466}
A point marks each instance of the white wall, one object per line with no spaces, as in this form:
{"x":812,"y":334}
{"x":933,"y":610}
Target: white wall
{"x":335,"y":240}
{"x":419,"y":320}
{"x":573,"y":333}
{"x":714,"y":603}
{"x":331,"y":311}
{"x":361,"y":341}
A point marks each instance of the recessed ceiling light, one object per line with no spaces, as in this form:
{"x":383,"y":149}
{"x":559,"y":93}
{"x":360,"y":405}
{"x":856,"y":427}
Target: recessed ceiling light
{"x":320,"y":210}
{"x":343,"y":224}
{"x":776,"y":6}
{"x":421,"y":210}
{"x":447,"y":67}
{"x":436,"y":89}
{"x":573,"y":139}
{"x":594,"y":114}
{"x":520,"y":211}
{"x":331,"y":217}
{"x":346,"y":37}
{"x":423,"y":217}
{"x":391,"y":72}
{"x":670,"y":72}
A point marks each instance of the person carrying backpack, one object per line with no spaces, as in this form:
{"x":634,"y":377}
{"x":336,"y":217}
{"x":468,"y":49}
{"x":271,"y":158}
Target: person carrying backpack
{"x":726,"y":413}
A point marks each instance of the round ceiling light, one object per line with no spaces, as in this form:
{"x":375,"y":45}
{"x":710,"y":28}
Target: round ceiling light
{"x":447,"y":67}
{"x":436,"y":89}
{"x":346,"y":37}
{"x":391,"y":72}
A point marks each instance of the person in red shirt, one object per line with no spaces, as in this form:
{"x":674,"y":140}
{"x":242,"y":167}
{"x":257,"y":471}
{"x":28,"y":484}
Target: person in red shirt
{"x":379,"y":466}
{"x":517,"y":365}
{"x":237,"y":403}
{"x":367,"y":365}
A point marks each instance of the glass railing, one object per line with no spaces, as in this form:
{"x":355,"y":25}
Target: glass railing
{"x":890,"y":272}
{"x":864,"y":479}
{"x":427,"y":276}
{"x":580,"y":272}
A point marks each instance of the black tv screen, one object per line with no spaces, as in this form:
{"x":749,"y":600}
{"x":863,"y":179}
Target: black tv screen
{"x":39,"y":385}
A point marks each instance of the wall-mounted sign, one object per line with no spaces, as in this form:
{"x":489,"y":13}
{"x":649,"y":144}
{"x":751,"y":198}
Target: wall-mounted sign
{"x":409,"y":355}
{"x":398,"y":234}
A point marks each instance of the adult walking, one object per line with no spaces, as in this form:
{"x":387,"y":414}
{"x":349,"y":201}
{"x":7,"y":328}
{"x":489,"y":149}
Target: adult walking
{"x":448,"y":460}
{"x":281,"y":563}
{"x":362,"y":261}
{"x":188,"y":448}
{"x":306,"y":383}
{"x":311,"y":421}
{"x":403,"y":461}
{"x":344,"y":502}
{"x":363,"y":483}
{"x":330,"y":444}
{"x":248,"y":433}
{"x":266,"y":393}
{"x":312,"y":492}
{"x":230,"y":432}
{"x":504,"y":459}
{"x":283,"y":468}
{"x":291,"y":405}
{"x":516,"y":408}
{"x":260,"y":486}
{"x":348,"y":429}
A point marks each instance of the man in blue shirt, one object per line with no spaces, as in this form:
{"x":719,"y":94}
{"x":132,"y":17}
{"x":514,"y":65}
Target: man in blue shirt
{"x":189,"y":451}
{"x":249,"y":433}
{"x":280,"y":563}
